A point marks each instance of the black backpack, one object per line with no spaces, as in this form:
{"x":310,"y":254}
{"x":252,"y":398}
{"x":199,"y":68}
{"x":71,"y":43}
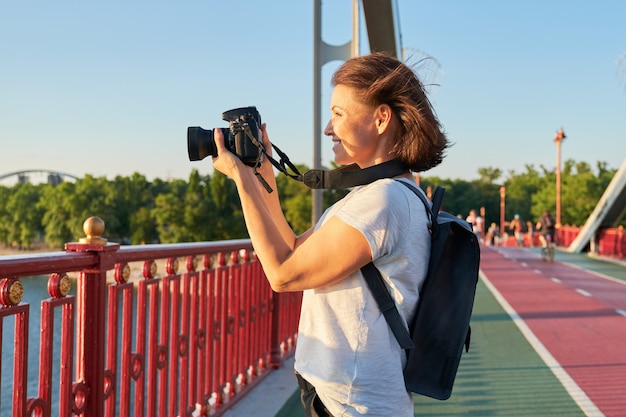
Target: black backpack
{"x":441,"y":327}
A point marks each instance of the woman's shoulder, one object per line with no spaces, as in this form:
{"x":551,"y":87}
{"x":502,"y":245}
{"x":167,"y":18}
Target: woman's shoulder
{"x":385,"y":188}
{"x":394,"y":187}
{"x":388,"y":185}
{"x":390,"y":194}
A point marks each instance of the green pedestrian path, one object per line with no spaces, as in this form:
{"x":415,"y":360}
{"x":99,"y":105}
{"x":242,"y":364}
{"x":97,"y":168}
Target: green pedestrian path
{"x":502,"y":374}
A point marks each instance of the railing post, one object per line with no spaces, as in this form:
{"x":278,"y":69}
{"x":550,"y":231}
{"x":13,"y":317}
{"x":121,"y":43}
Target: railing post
{"x":89,"y":388}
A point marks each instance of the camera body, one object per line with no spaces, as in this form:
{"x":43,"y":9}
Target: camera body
{"x":243,"y":137}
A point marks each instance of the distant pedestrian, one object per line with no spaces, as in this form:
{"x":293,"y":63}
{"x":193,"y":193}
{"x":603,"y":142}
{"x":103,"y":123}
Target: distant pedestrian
{"x":518,"y":227}
{"x":476,"y":221}
{"x":492,"y":237}
{"x":530,"y":233}
{"x":546,"y":226}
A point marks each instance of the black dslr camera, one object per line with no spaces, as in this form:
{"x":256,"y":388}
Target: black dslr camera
{"x":243,"y":137}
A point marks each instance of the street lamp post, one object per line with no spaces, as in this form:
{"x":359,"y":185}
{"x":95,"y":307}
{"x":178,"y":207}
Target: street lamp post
{"x":558,"y":138}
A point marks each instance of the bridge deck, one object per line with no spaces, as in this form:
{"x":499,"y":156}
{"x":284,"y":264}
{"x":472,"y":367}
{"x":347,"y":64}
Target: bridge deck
{"x":547,"y":340}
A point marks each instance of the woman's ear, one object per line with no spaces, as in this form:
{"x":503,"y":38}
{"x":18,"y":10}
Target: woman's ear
{"x":383,"y":117}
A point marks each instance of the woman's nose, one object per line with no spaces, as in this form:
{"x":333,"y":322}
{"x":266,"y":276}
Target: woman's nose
{"x":328,"y":130}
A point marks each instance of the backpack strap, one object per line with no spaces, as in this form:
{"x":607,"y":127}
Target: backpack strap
{"x":377,"y":286}
{"x":386,"y":305}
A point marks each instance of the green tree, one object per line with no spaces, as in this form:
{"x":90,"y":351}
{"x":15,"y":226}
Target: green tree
{"x":522,"y":191}
{"x":169,"y":215}
{"x":56,"y":205}
{"x":5,"y":221}
{"x":24,"y":215}
{"x":460,"y":197}
{"x":198,"y":208}
{"x":93,"y":196}
{"x":295,"y":201}
{"x":127,"y":196}
{"x":581,"y":191}
{"x":208,"y":208}
{"x":489,"y":175}
{"x":226,"y":217}
{"x":143,"y":226}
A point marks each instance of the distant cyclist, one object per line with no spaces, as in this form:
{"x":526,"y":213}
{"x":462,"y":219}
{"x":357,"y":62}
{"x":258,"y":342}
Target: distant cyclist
{"x":546,"y":228}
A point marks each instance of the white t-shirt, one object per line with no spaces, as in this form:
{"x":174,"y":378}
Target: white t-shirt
{"x":345,"y":347}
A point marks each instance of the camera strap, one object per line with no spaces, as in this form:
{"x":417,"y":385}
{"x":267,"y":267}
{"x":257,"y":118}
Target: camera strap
{"x":259,"y":158}
{"x":344,"y":177}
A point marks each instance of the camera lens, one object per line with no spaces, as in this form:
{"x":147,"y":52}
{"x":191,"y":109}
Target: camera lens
{"x":200,"y":143}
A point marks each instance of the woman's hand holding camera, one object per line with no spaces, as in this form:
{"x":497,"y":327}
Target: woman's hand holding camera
{"x":225,"y":161}
{"x":231,"y":165}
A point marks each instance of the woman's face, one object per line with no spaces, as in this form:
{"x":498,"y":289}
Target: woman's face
{"x":353,"y":129}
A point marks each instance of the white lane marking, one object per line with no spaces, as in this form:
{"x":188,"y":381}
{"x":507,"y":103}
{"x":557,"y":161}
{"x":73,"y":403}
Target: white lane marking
{"x":583,"y":292}
{"x":577,"y":394}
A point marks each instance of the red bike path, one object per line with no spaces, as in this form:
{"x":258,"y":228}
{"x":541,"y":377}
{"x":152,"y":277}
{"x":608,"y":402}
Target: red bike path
{"x":576,"y":318}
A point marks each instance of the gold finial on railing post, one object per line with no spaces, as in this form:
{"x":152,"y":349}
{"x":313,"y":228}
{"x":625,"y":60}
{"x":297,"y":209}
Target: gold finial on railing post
{"x":93,"y":228}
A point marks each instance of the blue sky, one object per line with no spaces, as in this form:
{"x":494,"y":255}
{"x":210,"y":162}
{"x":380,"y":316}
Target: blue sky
{"x":109,"y":89}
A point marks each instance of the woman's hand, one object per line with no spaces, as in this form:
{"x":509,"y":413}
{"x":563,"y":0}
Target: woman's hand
{"x":266,"y":169}
{"x":266,"y":140}
{"x":226,"y":162}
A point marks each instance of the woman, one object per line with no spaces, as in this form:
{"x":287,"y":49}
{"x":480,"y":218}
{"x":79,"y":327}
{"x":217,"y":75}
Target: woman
{"x":347,"y":360}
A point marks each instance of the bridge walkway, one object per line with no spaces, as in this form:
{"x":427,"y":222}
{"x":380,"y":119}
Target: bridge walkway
{"x":547,"y":340}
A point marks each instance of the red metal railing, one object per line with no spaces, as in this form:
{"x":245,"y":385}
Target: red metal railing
{"x":612,"y":241}
{"x":166,"y":344}
{"x":609,"y":242}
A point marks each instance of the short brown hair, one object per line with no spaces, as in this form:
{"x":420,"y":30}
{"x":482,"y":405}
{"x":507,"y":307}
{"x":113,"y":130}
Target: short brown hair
{"x":378,"y":78}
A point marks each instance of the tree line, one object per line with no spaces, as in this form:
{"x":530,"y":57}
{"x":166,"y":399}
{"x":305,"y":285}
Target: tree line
{"x":207,"y":207}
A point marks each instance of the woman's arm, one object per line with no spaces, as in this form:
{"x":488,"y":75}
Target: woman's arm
{"x":313,"y":260}
{"x":273,"y":199}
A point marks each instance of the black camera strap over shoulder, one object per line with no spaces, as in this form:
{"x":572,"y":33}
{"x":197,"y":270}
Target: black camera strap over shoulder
{"x":344,"y":177}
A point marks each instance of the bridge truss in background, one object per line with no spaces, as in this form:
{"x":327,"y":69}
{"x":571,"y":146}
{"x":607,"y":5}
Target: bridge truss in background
{"x":42,"y":175}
